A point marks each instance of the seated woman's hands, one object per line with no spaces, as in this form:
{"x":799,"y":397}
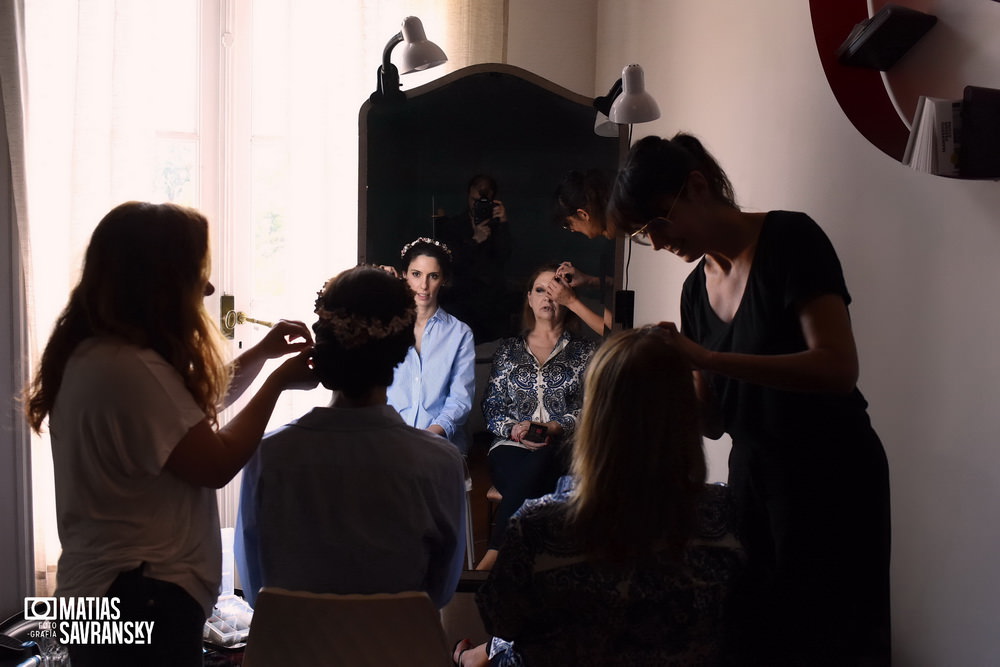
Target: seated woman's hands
{"x":519,"y":430}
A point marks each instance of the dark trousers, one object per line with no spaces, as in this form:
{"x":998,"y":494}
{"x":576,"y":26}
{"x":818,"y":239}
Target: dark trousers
{"x":520,"y":474}
{"x":177,"y":626}
{"x":817,"y":538}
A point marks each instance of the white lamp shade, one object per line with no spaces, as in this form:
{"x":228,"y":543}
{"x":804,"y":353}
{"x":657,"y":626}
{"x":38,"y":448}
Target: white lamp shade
{"x":418,"y":53}
{"x":603,"y":127}
{"x":634,"y":105}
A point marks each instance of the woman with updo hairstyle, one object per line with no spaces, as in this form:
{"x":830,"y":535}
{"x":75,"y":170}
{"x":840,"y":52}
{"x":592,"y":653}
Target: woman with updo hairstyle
{"x":363,"y":330}
{"x":532,"y":403}
{"x":631,"y":561}
{"x":435,"y":383}
{"x":765,"y":324}
{"x":348,"y":498}
{"x":131,"y":382}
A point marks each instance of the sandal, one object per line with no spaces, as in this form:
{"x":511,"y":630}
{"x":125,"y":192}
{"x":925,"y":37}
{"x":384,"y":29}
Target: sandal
{"x":461,"y":646}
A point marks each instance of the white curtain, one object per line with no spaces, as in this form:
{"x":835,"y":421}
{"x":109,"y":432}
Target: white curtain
{"x":103,"y":74}
{"x":15,"y":500}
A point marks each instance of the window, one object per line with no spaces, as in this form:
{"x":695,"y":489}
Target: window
{"x":245,"y":109}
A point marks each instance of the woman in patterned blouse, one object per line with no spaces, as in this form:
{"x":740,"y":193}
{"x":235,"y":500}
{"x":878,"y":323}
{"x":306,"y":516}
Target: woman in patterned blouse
{"x":631,"y":561}
{"x":536,"y":381}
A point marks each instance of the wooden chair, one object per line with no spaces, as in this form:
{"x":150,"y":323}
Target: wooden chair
{"x":296,"y":629}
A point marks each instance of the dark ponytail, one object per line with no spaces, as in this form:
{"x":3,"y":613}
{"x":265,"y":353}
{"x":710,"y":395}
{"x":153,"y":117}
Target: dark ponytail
{"x":657,"y":168}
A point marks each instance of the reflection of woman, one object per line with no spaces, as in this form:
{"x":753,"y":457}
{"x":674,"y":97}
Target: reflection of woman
{"x":434,"y":385}
{"x":630,"y":561}
{"x":348,"y":498}
{"x":480,"y":239}
{"x":765,"y":321}
{"x":536,"y":379}
{"x":581,"y":200}
{"x":131,"y":380}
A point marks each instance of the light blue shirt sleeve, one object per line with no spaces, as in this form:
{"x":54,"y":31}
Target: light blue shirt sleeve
{"x":246,"y":545}
{"x":462,"y":386}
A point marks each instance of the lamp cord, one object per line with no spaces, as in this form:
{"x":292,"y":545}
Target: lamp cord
{"x":628,"y":260}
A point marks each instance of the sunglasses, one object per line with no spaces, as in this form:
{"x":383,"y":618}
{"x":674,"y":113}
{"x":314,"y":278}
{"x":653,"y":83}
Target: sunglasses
{"x":641,"y":235}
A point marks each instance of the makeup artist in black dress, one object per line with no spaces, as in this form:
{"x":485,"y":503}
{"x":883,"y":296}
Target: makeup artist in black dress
{"x":766,"y":326}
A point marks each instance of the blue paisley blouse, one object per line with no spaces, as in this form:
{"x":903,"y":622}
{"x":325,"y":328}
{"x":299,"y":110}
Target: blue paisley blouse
{"x":547,"y":603}
{"x":518,"y":383}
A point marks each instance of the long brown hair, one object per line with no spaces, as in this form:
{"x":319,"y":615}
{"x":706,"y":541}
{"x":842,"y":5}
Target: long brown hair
{"x":143,"y":281}
{"x":638,"y":456}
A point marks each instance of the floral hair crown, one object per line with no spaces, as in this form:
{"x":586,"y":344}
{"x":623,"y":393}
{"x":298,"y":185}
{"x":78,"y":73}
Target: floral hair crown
{"x":424,"y":239}
{"x":353,"y":330}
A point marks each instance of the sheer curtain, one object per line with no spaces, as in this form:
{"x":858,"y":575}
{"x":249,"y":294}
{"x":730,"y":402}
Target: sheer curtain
{"x":245,"y":109}
{"x":15,"y":471}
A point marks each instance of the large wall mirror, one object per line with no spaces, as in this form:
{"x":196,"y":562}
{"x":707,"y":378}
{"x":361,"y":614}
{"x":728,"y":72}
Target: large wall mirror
{"x":417,"y":158}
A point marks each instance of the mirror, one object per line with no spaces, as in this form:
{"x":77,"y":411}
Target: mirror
{"x":416,"y":161}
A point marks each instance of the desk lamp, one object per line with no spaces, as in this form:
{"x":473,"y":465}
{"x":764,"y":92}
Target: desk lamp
{"x":419,"y":54}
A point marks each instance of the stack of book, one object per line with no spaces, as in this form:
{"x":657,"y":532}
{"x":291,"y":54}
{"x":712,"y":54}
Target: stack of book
{"x":959,"y":138}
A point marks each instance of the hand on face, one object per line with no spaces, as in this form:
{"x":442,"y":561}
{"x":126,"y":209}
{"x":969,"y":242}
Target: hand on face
{"x":559,"y":291}
{"x":574,"y":277}
{"x":541,"y":303}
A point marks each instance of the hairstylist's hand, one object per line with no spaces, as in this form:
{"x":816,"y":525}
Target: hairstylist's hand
{"x":560,"y":292}
{"x":696,"y":354}
{"x":285,"y":337}
{"x":391,"y":270}
{"x":571,"y":275}
{"x":296,"y":372}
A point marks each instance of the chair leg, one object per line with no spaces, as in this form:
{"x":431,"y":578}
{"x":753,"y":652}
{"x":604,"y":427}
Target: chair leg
{"x":470,"y":538}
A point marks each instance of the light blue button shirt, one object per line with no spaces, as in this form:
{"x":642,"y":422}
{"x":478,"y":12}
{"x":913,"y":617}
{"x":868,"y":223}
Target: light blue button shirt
{"x":437,"y":385}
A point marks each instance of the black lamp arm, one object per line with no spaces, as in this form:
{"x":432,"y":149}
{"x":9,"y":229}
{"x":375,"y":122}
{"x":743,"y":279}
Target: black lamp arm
{"x":387,"y":76}
{"x":389,"y":46}
{"x":603,"y":104}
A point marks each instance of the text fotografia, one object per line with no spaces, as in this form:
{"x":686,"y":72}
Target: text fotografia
{"x":85,"y":620}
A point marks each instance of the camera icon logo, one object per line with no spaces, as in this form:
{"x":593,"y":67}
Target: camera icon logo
{"x":40,"y":609}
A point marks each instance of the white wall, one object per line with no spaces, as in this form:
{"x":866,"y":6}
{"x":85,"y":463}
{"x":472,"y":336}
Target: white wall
{"x":555,"y":39}
{"x":918,"y":252}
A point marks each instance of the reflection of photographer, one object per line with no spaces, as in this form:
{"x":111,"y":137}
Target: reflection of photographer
{"x":481,"y":244}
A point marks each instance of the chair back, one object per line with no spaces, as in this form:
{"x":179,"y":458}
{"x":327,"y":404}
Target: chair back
{"x":292,"y":628}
